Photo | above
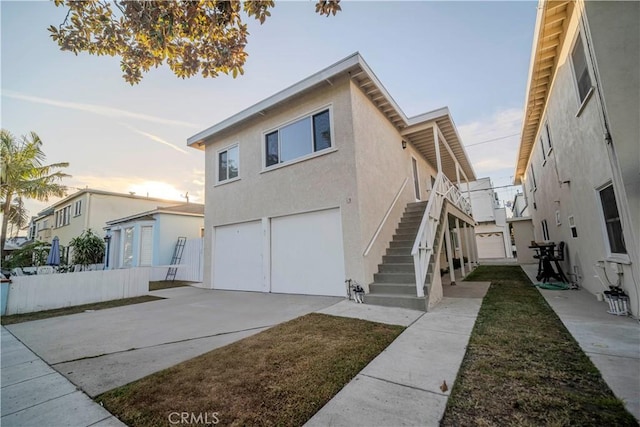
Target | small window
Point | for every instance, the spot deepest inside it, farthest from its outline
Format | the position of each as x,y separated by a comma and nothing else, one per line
228,164
545,230
544,152
533,178
548,135
583,79
301,138
572,227
77,208
612,222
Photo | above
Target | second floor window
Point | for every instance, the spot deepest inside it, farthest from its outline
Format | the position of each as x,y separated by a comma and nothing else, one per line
298,139
583,79
77,208
228,163
63,216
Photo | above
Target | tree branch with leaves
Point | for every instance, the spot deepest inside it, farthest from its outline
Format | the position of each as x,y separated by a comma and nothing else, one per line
205,36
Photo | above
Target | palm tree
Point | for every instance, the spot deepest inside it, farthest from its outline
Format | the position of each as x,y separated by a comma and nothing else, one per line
22,175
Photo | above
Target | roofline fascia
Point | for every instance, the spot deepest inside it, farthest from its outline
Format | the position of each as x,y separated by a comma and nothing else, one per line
534,54
301,86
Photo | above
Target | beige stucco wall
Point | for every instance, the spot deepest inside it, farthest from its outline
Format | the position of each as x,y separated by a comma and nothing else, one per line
325,181
617,49
97,209
381,169
523,235
580,156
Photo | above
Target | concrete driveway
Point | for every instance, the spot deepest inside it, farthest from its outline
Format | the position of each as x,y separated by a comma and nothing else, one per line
104,349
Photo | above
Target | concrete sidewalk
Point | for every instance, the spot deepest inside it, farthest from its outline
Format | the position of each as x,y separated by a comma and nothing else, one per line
33,394
401,386
611,342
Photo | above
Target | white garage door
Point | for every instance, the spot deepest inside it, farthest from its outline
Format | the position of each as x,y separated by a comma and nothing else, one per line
490,245
307,254
237,257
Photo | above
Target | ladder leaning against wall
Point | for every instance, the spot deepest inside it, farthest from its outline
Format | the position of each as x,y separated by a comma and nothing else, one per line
177,256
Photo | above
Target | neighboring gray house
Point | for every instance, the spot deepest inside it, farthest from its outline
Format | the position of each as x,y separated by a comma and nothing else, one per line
492,231
579,156
149,238
307,189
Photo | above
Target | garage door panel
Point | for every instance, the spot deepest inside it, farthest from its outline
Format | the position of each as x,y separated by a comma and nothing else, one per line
307,254
238,257
490,245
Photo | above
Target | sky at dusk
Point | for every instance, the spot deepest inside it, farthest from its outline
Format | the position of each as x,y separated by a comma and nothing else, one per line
470,56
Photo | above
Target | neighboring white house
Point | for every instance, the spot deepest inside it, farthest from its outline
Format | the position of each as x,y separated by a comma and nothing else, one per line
149,238
492,231
579,156
88,209
521,227
305,190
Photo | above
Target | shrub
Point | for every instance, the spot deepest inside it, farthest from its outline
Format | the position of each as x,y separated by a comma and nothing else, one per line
88,248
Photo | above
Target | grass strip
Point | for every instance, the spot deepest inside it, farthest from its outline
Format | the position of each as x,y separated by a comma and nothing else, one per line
167,284
38,315
281,376
522,367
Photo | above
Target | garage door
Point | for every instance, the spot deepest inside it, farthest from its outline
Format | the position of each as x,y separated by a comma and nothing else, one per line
307,254
237,257
490,245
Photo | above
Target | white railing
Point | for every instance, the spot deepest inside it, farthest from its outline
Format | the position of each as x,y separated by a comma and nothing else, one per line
423,245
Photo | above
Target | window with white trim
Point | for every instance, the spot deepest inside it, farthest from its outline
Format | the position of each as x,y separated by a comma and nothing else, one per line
228,163
545,230
77,208
533,178
581,70
612,222
301,138
63,216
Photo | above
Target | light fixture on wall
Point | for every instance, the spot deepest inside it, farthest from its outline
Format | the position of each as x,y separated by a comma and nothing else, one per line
404,144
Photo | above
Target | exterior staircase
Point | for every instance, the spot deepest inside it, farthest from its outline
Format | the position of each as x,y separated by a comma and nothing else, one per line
395,283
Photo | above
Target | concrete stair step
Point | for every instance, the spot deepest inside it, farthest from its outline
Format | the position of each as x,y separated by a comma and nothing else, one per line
396,268
391,300
397,259
394,277
399,251
401,243
400,237
392,288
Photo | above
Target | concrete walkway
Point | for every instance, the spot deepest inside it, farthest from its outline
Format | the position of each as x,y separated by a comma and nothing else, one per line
402,385
33,394
611,342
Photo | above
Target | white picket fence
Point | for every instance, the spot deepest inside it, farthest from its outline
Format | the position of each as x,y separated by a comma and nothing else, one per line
191,265
48,291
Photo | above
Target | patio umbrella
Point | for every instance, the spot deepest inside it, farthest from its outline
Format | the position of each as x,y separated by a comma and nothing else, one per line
54,252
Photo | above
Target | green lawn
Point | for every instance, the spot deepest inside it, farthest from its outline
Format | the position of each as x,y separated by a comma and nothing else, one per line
27,317
522,366
281,376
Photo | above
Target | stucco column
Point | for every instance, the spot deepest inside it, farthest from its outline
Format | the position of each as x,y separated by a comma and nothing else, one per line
447,236
467,246
474,246
460,255
436,143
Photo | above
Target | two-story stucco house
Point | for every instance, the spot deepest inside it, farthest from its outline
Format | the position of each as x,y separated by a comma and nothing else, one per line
88,209
579,156
318,184
492,231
